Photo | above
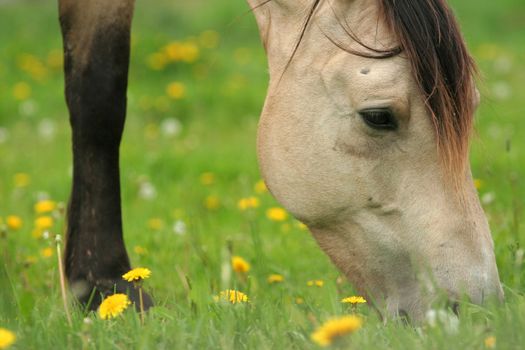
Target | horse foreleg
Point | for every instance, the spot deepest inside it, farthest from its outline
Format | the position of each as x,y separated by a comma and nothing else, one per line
96,36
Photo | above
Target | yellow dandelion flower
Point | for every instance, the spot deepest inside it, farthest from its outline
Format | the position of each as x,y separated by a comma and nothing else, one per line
490,342
182,51
207,178
316,283
45,206
248,203
189,52
478,183
140,250
113,306
209,39
7,338
137,274
488,51
44,222
275,278
354,300
55,59
21,180
242,204
336,328
36,233
176,90
173,51
13,222
157,61
301,226
260,187
151,131
232,296
30,260
212,202
33,66
299,300
276,214
239,264
21,91
47,252
155,224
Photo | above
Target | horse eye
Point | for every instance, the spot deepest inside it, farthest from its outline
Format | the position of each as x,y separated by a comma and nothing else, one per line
379,118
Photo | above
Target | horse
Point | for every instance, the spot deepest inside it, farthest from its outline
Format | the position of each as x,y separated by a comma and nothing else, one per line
364,137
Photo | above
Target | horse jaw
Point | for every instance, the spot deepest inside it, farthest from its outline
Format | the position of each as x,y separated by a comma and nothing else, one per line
377,202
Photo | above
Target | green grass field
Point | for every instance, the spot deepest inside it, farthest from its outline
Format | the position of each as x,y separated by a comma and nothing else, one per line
188,157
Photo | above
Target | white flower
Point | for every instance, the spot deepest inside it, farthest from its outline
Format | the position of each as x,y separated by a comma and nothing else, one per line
28,108
488,198
42,196
147,190
171,127
46,129
448,320
179,227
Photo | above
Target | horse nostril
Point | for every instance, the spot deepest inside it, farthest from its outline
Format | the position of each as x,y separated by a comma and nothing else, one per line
403,316
455,308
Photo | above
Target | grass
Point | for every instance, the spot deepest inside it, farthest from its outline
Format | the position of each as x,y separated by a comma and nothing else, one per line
218,116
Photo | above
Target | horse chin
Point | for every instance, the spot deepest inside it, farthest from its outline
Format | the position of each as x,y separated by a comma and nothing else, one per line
405,278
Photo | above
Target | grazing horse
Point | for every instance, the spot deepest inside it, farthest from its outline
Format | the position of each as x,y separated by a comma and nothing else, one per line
364,137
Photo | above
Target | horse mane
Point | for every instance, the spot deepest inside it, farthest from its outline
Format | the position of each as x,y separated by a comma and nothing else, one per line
428,34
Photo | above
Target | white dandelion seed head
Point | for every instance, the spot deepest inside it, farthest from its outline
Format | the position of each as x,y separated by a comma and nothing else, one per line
147,190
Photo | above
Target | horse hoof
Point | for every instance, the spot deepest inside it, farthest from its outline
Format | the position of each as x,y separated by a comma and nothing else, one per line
91,295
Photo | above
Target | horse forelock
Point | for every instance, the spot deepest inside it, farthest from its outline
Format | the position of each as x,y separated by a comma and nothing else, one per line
430,37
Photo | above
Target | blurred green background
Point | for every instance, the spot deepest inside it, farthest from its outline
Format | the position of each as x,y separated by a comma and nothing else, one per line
198,79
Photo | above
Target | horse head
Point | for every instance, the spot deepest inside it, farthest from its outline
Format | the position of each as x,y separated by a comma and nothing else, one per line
364,137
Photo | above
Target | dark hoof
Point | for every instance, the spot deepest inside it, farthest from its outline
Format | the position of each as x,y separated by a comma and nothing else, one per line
91,295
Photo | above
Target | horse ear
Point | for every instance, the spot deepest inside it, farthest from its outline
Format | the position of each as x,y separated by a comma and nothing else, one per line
279,21
261,11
